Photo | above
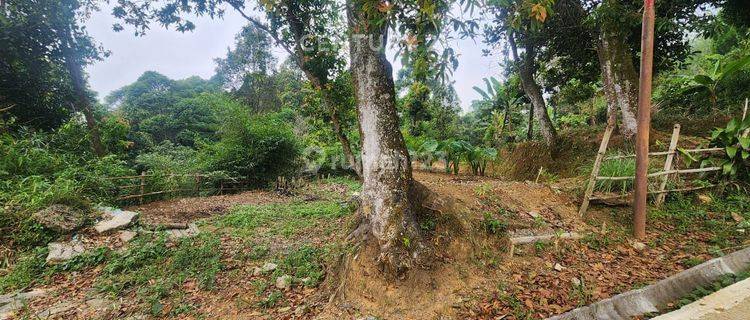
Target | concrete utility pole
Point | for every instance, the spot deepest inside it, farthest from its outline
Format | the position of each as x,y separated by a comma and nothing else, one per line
644,121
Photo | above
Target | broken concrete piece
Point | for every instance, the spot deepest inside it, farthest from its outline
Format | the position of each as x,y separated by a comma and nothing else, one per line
11,303
114,219
64,251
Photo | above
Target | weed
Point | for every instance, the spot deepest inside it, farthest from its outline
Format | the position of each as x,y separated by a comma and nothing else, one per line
272,299
616,168
492,225
483,189
156,272
306,262
27,271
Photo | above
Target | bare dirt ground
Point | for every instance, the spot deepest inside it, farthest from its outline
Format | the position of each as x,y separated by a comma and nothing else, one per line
470,277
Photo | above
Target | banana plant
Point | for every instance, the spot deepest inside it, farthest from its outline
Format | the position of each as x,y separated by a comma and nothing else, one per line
710,81
502,98
478,157
452,151
427,152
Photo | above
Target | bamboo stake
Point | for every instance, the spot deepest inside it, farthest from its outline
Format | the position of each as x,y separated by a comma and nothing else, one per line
143,187
595,170
668,164
744,115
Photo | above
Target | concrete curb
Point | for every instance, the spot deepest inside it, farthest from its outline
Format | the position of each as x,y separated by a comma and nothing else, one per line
654,297
721,304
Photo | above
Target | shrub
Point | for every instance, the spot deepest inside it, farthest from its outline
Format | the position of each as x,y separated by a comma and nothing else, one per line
259,148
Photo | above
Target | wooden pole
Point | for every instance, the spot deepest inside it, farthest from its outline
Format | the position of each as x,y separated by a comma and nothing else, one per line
143,187
644,121
668,164
595,170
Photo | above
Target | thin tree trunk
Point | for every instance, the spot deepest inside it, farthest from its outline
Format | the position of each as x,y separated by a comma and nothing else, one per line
620,80
343,139
526,71
79,87
386,167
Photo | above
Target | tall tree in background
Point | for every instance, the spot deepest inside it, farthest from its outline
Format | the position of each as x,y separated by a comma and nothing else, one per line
76,49
310,31
44,49
248,70
519,23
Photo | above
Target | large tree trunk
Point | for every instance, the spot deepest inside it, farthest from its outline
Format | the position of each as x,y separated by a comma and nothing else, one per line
386,167
620,80
526,69
79,87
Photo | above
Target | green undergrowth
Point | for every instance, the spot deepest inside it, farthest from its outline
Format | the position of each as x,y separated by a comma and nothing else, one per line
156,272
281,219
152,268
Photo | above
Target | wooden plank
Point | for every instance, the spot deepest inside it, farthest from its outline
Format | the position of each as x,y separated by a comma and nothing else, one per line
626,156
595,170
668,164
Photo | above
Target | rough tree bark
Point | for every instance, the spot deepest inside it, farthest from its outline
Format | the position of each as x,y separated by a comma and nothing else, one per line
386,167
79,87
526,69
619,78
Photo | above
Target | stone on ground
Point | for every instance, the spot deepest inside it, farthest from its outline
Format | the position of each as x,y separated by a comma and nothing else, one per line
266,268
191,231
126,235
114,219
56,310
61,218
284,282
64,251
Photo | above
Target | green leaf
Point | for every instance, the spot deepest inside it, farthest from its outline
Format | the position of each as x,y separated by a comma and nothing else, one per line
703,80
715,134
745,142
732,126
484,94
689,158
731,151
727,167
745,155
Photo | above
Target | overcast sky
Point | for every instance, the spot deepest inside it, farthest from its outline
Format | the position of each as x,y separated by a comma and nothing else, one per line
181,55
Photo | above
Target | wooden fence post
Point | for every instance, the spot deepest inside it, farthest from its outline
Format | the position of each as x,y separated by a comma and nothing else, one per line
595,171
668,164
197,184
143,187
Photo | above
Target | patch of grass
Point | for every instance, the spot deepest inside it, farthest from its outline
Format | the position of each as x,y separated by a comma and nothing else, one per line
304,262
271,300
351,183
280,219
28,270
616,168
156,272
